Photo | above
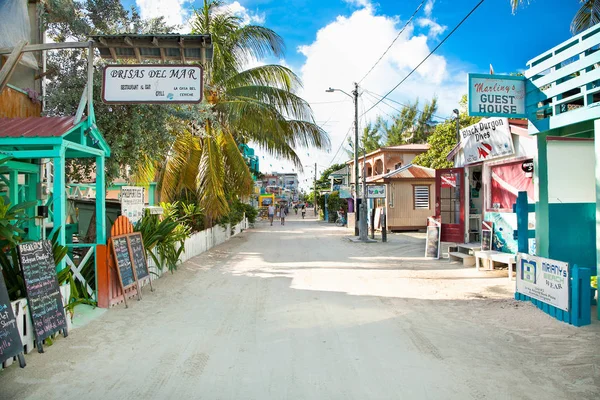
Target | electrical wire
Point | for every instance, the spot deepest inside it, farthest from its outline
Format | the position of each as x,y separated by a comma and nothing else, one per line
428,55
375,95
393,41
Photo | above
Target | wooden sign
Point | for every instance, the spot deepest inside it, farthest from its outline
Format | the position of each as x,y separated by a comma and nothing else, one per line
43,295
432,244
120,247
131,263
10,340
487,234
138,257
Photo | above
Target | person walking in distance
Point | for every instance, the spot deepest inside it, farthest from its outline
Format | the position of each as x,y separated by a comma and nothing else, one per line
271,212
303,211
282,212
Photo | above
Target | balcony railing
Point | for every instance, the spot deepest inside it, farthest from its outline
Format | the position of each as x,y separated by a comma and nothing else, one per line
563,83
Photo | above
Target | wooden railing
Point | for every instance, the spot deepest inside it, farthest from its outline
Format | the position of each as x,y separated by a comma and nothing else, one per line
563,83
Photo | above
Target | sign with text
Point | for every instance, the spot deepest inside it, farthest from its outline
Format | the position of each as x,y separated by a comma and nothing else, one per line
496,96
543,279
10,340
132,203
152,84
43,295
376,192
488,139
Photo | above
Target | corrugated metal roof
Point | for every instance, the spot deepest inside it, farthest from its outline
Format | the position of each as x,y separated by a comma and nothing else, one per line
411,171
415,146
36,126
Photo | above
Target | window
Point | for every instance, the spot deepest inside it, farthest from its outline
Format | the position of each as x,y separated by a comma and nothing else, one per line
421,197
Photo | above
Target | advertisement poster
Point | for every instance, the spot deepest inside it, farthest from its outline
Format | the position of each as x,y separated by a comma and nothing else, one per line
543,279
132,203
486,140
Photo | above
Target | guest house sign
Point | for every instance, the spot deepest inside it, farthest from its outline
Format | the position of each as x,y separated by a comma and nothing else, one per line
488,139
497,96
152,84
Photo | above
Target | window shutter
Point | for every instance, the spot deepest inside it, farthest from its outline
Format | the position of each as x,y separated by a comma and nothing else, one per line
421,197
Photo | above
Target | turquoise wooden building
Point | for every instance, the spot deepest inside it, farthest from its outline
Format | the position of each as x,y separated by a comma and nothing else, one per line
563,108
33,143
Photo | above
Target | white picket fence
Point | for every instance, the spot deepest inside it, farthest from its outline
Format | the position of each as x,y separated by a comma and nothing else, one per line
196,244
200,242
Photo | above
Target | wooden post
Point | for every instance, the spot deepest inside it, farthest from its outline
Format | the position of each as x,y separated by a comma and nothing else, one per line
383,227
9,66
580,296
102,276
100,202
90,81
58,192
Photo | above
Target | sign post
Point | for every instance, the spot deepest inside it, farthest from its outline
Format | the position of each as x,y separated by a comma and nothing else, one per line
132,203
543,279
152,84
486,140
376,191
497,96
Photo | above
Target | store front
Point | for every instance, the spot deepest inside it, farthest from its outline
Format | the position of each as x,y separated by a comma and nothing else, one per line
493,163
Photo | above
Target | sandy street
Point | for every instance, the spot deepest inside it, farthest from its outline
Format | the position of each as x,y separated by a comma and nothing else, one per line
299,312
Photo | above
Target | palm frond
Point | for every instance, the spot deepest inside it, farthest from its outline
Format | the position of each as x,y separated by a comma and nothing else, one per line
285,102
265,75
586,17
211,177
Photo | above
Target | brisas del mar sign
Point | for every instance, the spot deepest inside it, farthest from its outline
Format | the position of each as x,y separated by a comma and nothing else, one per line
497,96
152,84
488,139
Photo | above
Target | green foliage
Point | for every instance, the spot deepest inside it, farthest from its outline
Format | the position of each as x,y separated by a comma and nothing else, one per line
587,16
12,219
323,182
236,213
411,125
165,235
443,140
135,133
251,212
191,215
334,203
371,138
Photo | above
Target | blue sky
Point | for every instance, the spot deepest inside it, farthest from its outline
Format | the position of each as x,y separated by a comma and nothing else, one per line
335,42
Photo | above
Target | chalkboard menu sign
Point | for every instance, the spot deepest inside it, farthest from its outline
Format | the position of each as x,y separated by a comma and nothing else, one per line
123,258
43,295
138,255
432,244
10,340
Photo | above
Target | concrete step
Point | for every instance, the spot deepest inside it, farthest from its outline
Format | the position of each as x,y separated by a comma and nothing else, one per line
467,259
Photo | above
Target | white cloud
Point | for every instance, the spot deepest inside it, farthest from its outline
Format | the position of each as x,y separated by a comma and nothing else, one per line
359,3
247,16
428,7
343,52
172,10
435,29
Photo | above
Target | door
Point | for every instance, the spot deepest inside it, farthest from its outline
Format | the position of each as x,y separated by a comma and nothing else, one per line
450,203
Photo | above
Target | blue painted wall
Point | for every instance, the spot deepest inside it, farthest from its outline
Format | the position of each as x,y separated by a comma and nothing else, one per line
573,233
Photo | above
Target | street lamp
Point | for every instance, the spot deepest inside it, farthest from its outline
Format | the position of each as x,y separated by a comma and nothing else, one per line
455,111
362,233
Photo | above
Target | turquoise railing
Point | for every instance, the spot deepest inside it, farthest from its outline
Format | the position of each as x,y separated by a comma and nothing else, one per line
563,83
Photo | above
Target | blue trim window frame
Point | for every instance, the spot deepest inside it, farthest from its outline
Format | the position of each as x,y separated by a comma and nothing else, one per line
497,77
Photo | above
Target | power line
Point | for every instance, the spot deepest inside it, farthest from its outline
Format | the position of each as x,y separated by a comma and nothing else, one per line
373,94
428,55
393,41
341,144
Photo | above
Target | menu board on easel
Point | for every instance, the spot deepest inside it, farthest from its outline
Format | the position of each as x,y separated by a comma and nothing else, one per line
432,243
43,295
487,235
138,257
127,278
10,340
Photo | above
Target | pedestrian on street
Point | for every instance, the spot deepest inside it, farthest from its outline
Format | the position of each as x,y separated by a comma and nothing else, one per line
271,212
282,211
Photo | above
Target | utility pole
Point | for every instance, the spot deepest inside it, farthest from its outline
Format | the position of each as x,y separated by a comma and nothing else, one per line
315,199
364,234
356,211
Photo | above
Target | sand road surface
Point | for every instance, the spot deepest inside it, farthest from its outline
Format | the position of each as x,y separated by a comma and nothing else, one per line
300,312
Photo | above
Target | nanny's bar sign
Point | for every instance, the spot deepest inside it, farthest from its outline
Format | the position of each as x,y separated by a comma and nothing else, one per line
152,84
497,96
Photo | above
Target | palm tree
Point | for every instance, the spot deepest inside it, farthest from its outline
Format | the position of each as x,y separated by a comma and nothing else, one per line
586,17
245,105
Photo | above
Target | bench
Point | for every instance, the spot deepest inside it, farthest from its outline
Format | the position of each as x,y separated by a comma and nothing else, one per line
491,256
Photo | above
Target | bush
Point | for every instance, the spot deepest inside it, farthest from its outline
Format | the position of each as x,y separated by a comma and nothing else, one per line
251,213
